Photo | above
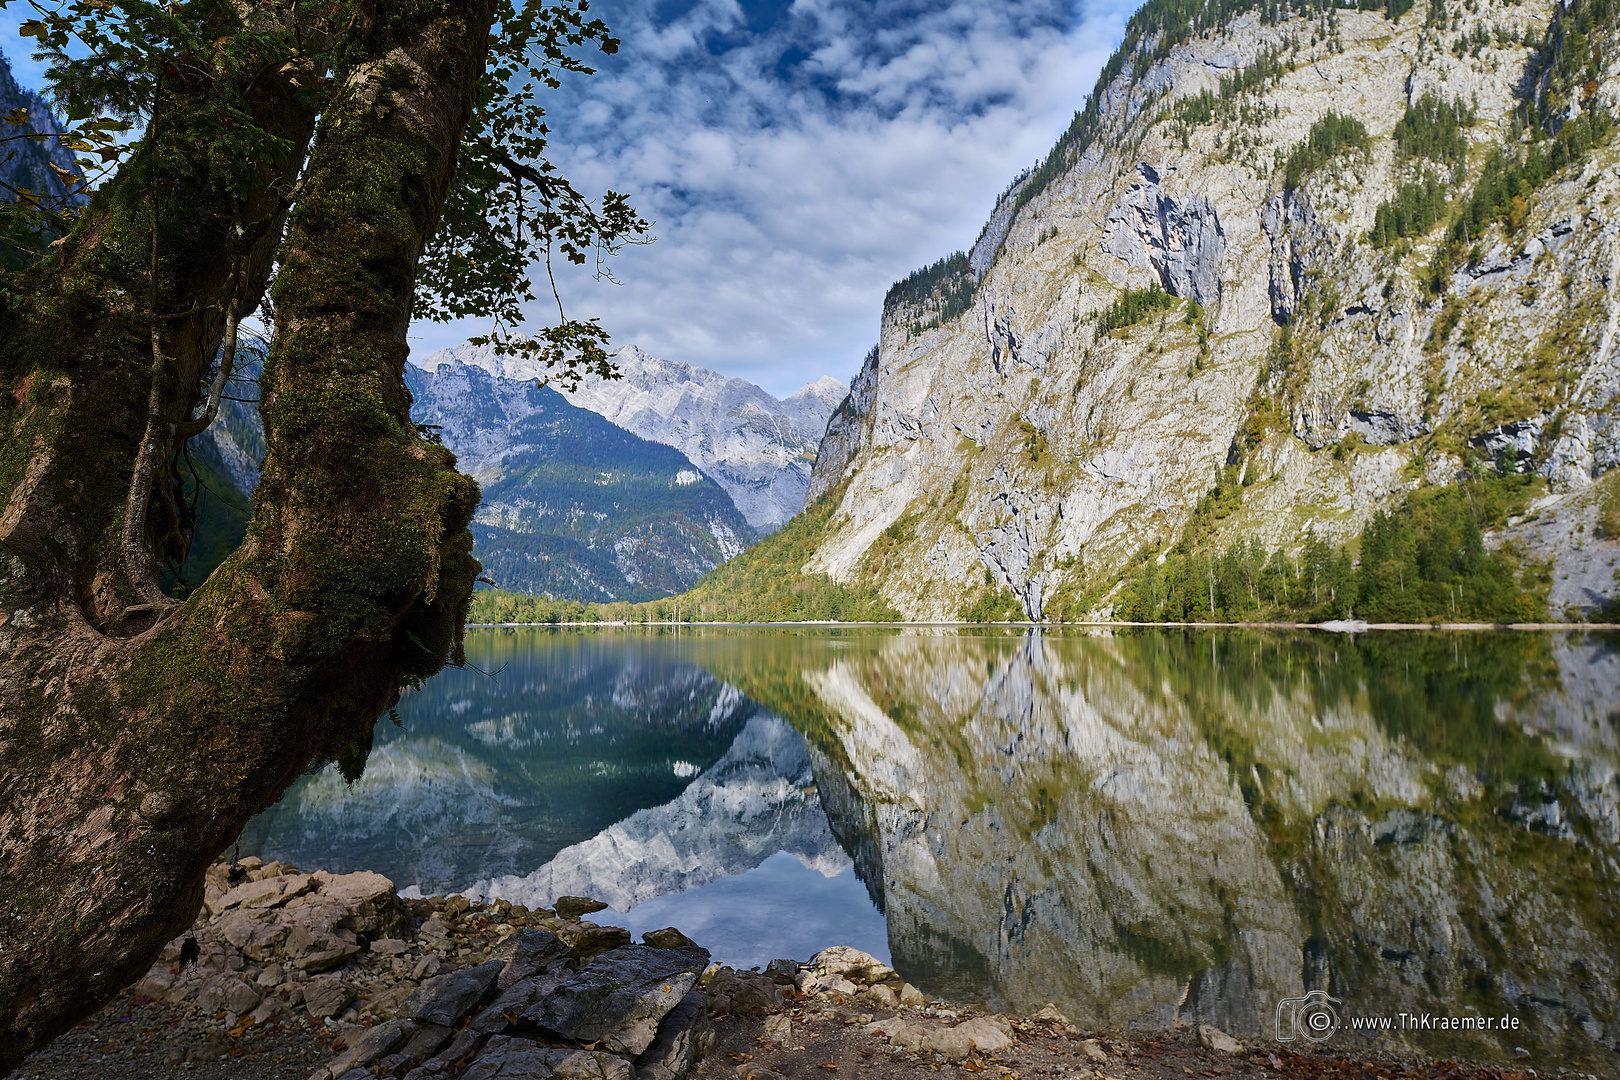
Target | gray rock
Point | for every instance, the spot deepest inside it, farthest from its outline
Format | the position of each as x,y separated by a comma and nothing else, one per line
520,1059
684,1038
1213,1038
619,998
386,1005
530,951
327,997
467,1042
777,1029
757,1072
326,959
786,967
572,907
515,999
423,1043
445,999
380,1040
228,992
979,1034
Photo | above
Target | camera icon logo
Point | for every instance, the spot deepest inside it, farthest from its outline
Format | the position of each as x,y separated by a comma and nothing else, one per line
1315,1016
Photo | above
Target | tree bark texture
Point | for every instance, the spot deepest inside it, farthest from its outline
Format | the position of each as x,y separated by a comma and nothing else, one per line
133,748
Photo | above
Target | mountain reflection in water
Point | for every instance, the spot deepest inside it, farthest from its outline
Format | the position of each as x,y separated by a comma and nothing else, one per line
1145,828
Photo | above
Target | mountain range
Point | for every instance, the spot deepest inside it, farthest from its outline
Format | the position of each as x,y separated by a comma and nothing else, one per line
575,506
758,448
1293,266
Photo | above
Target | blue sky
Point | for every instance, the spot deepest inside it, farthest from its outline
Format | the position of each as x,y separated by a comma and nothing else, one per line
796,158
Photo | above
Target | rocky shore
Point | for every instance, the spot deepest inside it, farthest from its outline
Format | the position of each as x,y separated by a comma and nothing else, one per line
335,977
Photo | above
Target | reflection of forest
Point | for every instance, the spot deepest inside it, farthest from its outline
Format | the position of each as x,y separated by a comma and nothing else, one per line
1157,827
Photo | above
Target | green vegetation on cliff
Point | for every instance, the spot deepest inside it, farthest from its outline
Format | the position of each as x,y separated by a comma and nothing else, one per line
1330,137
1132,307
945,289
1425,562
766,583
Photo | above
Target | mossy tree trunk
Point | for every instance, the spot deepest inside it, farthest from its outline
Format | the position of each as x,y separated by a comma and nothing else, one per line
136,740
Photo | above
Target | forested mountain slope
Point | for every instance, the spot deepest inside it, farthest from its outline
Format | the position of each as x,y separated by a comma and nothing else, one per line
756,446
1292,266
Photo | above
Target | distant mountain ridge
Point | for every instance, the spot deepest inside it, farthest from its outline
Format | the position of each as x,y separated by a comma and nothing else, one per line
574,506
757,447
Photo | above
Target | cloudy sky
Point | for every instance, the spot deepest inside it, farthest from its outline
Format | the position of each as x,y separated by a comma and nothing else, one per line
797,157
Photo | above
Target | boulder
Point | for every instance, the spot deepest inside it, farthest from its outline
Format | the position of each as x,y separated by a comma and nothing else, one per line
266,892
836,984
466,1043
254,933
980,1034
684,1038
758,1072
619,997
371,907
881,997
327,997
742,993
424,1041
572,907
668,938
1213,1038
157,983
380,1040
229,992
326,959
910,995
386,1005
521,1059
516,999
593,940
777,1028
851,964
905,1034
529,952
445,999
1051,1015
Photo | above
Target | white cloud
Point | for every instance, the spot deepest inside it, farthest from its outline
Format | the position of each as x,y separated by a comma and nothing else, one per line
786,203
797,169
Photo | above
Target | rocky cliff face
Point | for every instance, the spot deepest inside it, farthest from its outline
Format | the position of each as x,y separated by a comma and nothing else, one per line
849,429
1337,360
758,448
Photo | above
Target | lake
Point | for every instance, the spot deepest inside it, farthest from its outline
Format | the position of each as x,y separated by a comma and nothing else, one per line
1146,828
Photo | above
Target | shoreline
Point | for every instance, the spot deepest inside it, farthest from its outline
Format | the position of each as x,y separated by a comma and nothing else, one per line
326,976
1332,627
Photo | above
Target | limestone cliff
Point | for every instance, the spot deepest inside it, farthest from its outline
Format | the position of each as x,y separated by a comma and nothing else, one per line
1328,333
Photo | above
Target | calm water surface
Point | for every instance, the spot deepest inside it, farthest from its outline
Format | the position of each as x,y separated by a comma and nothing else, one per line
1145,829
